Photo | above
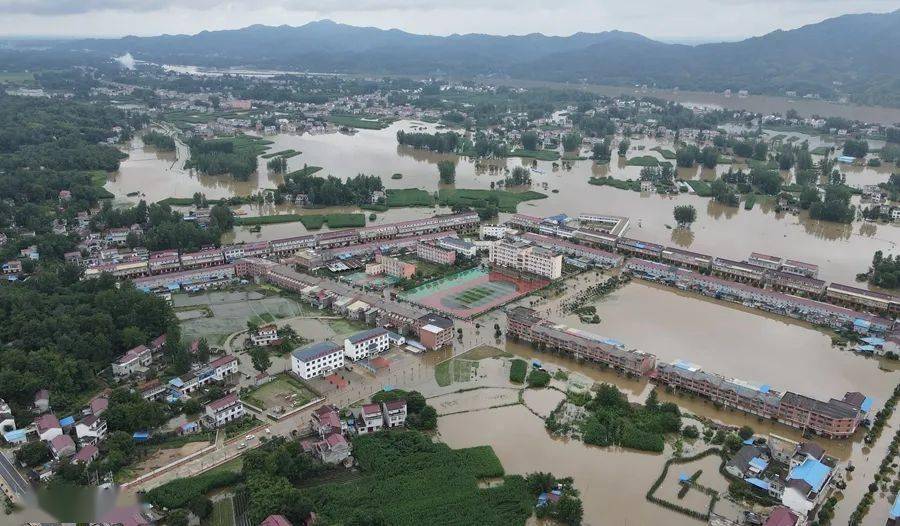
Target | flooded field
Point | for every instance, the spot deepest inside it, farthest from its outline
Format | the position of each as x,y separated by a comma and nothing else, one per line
735,341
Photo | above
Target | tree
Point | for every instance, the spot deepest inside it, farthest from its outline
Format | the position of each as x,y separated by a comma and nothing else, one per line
571,141
690,432
530,140
732,442
200,506
623,147
33,454
686,156
192,407
709,156
259,356
745,432
569,510
447,171
685,215
856,148
601,151
538,378
519,176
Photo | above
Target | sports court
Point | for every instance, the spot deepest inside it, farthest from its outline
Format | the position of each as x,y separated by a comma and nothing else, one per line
472,292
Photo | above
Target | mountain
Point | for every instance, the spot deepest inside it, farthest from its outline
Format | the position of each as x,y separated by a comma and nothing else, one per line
850,54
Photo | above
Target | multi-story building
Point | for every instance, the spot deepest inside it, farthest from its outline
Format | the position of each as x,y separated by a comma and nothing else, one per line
317,359
832,419
132,361
686,259
594,255
202,258
47,426
641,249
463,248
370,420
264,335
394,413
221,368
395,267
326,420
765,261
224,410
800,268
430,251
164,261
90,429
739,271
863,298
525,257
434,331
365,344
524,324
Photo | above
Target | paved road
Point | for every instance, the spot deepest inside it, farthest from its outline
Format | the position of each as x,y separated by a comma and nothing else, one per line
12,476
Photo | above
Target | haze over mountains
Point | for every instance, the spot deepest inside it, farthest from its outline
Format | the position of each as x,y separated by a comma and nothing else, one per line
851,55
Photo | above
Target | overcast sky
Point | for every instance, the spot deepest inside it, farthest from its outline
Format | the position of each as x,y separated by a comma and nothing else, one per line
682,20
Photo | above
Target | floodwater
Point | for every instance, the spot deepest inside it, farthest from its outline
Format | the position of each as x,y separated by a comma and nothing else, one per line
612,481
756,103
842,251
67,503
736,341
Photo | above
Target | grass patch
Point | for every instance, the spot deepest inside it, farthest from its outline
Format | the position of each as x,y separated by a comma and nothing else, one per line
749,201
442,374
222,512
506,201
315,221
485,351
16,77
284,391
517,370
306,170
179,492
626,184
667,154
357,121
540,155
701,188
287,154
267,220
643,160
411,480
409,197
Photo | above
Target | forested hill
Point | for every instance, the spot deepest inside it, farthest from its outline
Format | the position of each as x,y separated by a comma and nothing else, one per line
851,55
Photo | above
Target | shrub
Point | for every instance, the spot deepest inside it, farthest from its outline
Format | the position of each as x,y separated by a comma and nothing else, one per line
538,378
517,370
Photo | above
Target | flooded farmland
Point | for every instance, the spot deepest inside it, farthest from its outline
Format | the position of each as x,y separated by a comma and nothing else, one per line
841,250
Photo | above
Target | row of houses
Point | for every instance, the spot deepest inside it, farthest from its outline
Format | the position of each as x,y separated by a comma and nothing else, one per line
141,265
770,300
329,429
760,270
432,331
834,418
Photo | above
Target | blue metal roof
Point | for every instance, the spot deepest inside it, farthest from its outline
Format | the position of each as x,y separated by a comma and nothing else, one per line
764,388
758,463
895,509
16,435
759,483
867,404
67,421
812,472
861,323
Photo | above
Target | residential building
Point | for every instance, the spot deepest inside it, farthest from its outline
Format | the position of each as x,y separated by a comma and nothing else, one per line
805,485
525,257
765,261
48,427
86,454
800,268
749,461
42,401
90,429
832,419
783,516
333,449
7,422
434,331
265,335
219,369
224,410
493,231
133,361
524,324
152,390
370,420
62,446
394,413
366,343
317,359
326,420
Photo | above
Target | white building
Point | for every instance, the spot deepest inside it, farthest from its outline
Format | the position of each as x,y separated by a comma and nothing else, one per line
394,413
48,427
366,343
132,361
223,367
493,231
265,335
371,419
7,422
224,410
523,256
463,248
90,430
317,359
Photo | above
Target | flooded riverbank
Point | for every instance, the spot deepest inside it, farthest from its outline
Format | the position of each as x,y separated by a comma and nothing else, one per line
735,341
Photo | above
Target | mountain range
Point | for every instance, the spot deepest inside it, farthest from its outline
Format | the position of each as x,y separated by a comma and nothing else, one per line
850,55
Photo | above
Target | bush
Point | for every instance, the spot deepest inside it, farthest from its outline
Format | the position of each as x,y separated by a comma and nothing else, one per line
180,492
517,370
538,378
690,432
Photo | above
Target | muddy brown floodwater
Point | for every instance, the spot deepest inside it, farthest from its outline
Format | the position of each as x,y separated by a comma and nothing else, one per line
841,250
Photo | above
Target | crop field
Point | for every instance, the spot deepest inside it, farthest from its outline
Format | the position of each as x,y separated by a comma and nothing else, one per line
283,391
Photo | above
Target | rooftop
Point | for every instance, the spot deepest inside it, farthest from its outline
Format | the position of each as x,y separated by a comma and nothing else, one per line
367,334
316,350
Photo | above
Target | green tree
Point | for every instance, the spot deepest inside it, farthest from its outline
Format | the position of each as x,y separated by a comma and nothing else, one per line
745,432
601,151
259,356
685,214
571,141
33,454
530,140
624,144
447,171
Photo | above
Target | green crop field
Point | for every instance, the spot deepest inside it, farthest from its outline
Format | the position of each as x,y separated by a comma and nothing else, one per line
540,155
315,221
354,121
506,201
643,160
408,197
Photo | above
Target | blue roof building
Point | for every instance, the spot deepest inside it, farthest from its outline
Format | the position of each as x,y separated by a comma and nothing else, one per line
895,509
812,472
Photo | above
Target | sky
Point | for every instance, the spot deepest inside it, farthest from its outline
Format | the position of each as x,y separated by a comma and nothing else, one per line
689,21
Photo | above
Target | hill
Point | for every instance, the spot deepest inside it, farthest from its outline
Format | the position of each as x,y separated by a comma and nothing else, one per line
848,55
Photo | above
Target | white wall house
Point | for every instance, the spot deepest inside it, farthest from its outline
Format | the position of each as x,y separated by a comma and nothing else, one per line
317,359
132,361
366,344
224,410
